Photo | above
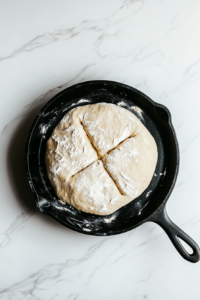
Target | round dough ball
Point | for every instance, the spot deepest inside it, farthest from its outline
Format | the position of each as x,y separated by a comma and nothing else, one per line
100,157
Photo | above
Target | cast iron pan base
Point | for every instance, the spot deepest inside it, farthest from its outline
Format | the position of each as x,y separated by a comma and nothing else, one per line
150,206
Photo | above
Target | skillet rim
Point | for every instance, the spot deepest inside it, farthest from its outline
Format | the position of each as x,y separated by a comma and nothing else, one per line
144,220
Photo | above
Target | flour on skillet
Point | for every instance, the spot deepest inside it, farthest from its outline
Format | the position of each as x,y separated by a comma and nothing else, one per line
122,103
43,128
80,101
109,219
148,193
86,229
83,100
138,110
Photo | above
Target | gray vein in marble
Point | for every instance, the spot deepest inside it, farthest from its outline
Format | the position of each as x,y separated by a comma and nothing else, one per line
148,277
43,40
180,183
126,4
190,142
192,221
189,76
42,99
73,296
69,33
54,297
180,125
144,53
124,254
47,38
49,273
132,249
191,67
108,256
30,106
16,225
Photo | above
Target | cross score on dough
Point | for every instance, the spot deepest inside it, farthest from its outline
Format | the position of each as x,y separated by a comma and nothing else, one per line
100,157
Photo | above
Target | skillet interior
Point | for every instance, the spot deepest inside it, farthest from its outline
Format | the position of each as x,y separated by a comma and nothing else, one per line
157,120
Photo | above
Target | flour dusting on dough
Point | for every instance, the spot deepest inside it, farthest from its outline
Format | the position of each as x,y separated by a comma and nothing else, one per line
91,156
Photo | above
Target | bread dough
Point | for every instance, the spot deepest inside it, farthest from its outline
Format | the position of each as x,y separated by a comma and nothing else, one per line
132,163
93,190
100,157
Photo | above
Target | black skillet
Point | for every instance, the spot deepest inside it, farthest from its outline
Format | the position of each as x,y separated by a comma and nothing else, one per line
150,206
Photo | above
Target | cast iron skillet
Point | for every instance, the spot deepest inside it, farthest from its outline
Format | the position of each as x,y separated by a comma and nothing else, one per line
150,206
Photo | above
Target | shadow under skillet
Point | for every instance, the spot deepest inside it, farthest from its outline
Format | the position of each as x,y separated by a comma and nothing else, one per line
16,162
16,167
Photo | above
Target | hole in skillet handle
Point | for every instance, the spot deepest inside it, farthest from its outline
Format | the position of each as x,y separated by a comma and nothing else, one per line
176,234
185,246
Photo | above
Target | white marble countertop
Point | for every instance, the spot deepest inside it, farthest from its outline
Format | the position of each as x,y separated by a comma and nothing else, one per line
47,46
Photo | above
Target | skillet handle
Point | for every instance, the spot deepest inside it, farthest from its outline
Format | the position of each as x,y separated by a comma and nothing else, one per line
174,232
